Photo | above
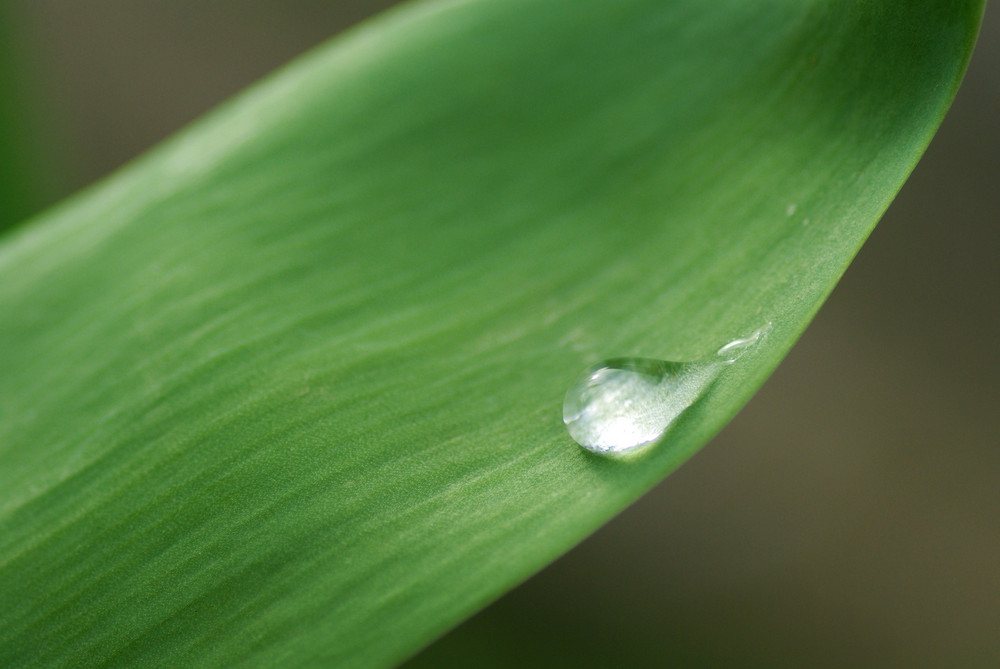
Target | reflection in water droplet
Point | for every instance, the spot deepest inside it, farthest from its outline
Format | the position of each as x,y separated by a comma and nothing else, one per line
624,403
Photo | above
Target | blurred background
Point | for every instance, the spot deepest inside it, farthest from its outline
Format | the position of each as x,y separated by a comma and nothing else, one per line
849,515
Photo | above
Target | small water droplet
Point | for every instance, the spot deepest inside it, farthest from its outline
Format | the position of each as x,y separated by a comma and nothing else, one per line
737,347
622,404
790,209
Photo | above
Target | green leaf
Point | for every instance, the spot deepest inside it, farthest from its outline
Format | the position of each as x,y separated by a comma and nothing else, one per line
287,390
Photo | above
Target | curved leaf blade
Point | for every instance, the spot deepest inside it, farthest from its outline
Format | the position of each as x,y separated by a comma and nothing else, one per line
287,390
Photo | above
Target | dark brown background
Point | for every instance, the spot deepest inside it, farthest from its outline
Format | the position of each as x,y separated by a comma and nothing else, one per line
850,514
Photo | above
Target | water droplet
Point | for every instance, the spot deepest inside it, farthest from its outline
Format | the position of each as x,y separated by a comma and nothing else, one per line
790,209
625,403
737,347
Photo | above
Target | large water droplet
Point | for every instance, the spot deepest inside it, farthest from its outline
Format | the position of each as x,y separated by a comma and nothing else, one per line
625,403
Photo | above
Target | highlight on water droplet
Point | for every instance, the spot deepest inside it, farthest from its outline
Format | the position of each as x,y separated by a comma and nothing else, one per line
737,347
623,404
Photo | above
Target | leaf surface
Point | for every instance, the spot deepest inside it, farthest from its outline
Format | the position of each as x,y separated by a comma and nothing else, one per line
286,391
